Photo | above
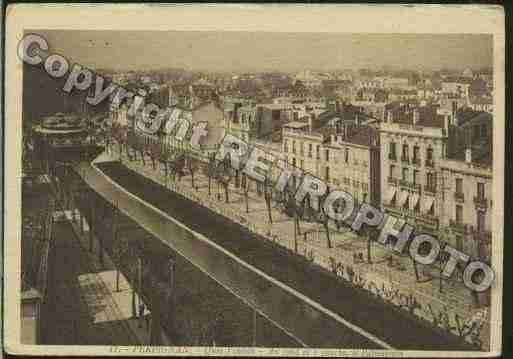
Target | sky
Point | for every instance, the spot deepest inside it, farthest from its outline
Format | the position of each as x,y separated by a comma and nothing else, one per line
254,51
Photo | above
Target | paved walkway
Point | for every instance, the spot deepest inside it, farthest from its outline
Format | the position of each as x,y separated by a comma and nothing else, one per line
396,283
87,307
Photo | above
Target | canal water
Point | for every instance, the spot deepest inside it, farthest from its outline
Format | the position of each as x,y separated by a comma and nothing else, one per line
224,275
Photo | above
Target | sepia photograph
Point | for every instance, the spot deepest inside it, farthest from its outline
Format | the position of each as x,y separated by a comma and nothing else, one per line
254,180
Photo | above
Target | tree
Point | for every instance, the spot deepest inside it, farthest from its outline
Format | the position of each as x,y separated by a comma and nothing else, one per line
117,135
224,173
154,150
209,169
246,196
268,198
177,165
131,140
164,157
139,147
192,167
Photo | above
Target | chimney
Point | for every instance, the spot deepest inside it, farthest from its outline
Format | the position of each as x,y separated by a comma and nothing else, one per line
415,116
468,155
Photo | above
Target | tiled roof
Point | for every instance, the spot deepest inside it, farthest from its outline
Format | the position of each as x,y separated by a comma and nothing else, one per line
427,116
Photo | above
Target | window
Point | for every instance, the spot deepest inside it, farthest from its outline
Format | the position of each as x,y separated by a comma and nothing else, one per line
392,171
310,150
294,161
415,176
429,153
327,153
405,174
347,156
327,174
480,190
459,185
301,149
431,181
391,154
432,210
405,151
480,221
294,147
302,164
318,150
286,146
415,153
459,214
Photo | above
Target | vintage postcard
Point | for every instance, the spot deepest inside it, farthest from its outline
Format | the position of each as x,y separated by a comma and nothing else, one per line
254,180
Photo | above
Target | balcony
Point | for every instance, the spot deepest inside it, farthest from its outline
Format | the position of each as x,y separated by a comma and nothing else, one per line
409,185
429,163
459,227
405,159
430,190
415,161
459,197
392,156
392,181
481,202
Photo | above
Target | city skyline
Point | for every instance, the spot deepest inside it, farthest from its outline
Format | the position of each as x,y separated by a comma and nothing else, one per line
266,51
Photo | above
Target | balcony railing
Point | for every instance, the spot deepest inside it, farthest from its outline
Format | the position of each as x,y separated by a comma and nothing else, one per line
459,227
459,196
392,156
429,163
481,202
410,185
392,180
430,189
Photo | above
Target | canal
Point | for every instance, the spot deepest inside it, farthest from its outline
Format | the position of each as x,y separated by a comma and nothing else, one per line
296,303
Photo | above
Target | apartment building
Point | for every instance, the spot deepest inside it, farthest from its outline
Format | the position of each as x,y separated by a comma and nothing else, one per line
467,176
352,162
413,141
437,173
338,148
467,205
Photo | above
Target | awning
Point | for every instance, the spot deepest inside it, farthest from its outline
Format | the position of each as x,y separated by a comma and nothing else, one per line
389,195
414,199
427,203
402,198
